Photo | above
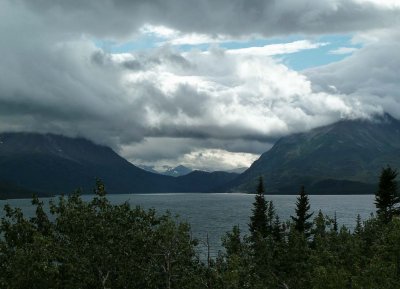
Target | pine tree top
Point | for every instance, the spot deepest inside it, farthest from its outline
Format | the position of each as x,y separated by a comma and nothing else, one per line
302,213
258,219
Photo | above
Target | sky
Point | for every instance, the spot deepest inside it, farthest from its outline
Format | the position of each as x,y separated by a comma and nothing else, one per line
210,84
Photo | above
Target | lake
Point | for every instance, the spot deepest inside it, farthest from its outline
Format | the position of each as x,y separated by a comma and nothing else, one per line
215,214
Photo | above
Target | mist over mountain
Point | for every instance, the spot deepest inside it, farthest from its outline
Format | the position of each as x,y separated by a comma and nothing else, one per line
182,170
345,157
177,171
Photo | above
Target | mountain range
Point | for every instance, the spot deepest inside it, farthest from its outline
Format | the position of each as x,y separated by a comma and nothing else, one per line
54,164
344,157
177,171
182,170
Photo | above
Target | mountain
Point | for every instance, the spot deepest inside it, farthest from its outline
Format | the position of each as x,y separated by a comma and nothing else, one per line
345,157
53,164
57,164
177,171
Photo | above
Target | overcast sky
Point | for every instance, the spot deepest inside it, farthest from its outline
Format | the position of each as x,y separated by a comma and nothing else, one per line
210,84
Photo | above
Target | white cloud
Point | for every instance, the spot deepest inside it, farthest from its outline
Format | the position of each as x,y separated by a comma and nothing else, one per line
241,85
196,39
277,49
216,159
370,77
201,154
159,31
343,50
176,37
390,4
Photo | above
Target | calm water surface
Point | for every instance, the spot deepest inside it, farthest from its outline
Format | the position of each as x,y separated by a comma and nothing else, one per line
215,214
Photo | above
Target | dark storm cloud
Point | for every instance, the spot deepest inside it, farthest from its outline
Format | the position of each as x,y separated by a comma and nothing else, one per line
52,86
118,18
226,133
132,65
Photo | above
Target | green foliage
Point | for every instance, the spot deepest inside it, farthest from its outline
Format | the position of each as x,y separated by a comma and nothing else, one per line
94,244
234,265
387,198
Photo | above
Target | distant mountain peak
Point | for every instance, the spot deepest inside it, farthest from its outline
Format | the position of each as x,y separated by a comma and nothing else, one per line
177,171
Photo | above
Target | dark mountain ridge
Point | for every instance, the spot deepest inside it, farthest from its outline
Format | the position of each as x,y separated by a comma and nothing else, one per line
345,157
56,164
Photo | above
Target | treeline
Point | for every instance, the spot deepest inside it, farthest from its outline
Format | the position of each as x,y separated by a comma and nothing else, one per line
99,245
313,251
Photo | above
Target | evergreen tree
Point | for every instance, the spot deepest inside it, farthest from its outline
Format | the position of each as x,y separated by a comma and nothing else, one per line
258,220
387,198
234,264
335,224
320,224
277,229
271,213
358,228
301,222
232,242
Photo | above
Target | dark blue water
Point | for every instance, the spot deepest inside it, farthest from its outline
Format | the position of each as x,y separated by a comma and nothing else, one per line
215,214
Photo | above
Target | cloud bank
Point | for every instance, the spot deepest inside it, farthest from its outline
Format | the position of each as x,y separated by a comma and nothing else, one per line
216,108
119,18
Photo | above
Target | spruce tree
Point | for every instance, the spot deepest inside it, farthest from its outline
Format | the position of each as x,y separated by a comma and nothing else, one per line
271,213
387,198
232,242
358,228
301,223
335,224
277,230
258,220
320,225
